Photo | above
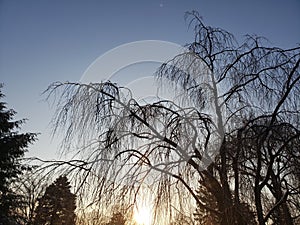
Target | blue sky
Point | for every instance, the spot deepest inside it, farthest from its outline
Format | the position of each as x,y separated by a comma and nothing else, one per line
46,41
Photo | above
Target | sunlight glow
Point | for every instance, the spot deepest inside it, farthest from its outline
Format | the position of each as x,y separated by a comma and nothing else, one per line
142,215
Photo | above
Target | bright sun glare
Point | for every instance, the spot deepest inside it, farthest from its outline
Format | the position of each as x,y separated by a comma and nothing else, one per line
142,215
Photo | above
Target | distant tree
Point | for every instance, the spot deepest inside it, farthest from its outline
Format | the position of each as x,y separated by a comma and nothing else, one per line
57,205
121,214
13,145
30,187
91,218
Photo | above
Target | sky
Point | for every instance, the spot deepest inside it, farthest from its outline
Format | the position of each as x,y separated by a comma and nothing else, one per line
43,41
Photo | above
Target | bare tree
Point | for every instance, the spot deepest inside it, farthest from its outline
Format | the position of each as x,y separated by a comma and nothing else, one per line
169,146
30,187
247,82
278,157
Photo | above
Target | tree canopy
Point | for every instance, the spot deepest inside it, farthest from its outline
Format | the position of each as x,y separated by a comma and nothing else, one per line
228,146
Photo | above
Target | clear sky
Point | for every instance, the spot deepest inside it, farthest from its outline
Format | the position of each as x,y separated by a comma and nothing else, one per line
43,41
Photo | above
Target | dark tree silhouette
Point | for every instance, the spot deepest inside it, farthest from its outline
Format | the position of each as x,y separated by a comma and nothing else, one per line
13,145
30,187
174,146
57,205
202,215
245,84
273,147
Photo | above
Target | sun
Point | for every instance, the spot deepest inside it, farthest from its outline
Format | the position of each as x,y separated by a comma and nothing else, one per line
142,215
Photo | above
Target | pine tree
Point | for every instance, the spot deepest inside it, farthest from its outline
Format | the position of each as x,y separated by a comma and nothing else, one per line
57,205
203,216
13,145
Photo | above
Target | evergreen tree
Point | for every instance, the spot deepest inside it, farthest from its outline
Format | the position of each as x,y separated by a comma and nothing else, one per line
13,145
202,215
236,214
57,205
